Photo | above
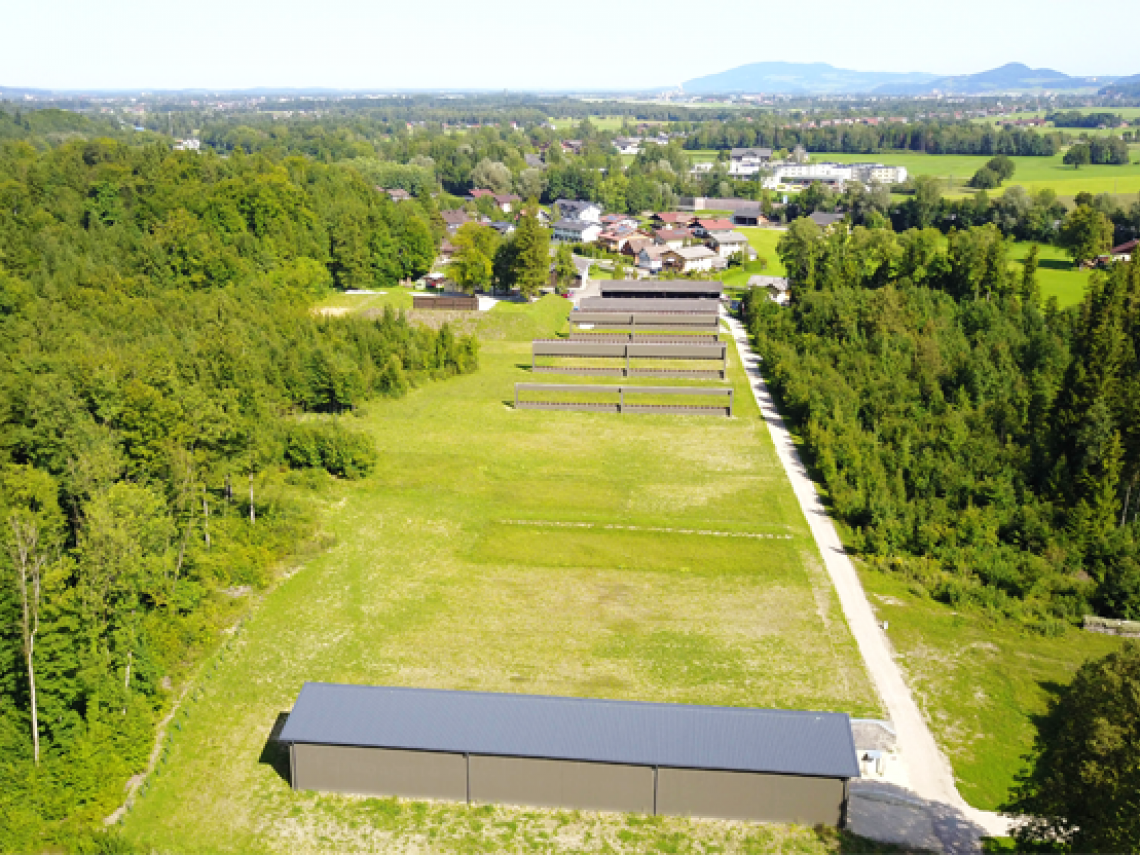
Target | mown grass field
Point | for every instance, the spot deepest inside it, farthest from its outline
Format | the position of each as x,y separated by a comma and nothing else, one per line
507,550
980,682
1056,273
1033,173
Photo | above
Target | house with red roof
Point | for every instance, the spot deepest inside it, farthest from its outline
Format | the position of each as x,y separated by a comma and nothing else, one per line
709,228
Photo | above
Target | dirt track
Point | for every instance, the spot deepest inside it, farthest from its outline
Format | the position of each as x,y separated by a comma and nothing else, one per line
929,773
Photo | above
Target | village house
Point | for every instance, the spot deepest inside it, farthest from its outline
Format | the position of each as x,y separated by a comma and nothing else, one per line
576,231
619,220
504,201
453,220
396,194
709,228
616,237
570,209
746,162
671,218
727,244
635,244
1125,251
672,238
826,221
650,258
776,286
534,161
627,145
752,216
691,258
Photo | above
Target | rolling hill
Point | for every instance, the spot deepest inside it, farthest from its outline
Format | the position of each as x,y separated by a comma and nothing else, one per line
819,78
815,78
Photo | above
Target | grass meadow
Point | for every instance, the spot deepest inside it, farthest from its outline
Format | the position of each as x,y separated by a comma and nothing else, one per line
980,682
1033,173
1056,273
643,557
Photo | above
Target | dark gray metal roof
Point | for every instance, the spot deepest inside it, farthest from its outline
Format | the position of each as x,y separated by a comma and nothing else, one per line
650,304
661,286
645,734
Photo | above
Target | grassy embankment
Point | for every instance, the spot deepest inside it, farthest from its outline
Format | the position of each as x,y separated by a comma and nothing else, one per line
432,583
980,682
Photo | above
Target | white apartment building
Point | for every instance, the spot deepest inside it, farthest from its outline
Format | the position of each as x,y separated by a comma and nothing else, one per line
833,174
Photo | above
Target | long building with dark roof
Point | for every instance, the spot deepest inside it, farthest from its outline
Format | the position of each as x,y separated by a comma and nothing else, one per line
663,289
573,753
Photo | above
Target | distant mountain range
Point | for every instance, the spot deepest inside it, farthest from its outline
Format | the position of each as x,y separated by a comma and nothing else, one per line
799,78
818,78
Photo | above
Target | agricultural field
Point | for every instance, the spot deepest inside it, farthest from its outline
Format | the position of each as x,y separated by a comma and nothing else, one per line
1033,173
650,557
979,682
1129,114
602,123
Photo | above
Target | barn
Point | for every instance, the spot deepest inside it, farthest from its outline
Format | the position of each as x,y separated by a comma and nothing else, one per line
573,753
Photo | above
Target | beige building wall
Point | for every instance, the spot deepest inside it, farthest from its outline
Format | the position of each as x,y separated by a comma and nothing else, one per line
749,795
562,783
380,772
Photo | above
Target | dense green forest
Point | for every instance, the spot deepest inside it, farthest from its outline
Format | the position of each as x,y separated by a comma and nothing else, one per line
162,384
982,444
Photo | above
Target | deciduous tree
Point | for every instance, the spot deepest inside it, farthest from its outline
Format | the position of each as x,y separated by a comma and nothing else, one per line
1082,788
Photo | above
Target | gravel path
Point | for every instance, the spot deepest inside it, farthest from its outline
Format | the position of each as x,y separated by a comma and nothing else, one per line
929,774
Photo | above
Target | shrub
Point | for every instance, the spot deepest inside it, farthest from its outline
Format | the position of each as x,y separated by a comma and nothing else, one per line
329,446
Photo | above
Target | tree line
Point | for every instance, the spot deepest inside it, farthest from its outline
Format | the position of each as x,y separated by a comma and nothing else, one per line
981,443
162,383
929,136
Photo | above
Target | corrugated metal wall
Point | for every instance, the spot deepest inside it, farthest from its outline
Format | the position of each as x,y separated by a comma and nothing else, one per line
562,784
569,784
750,795
380,772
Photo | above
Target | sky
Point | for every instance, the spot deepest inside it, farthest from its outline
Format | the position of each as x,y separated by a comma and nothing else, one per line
517,45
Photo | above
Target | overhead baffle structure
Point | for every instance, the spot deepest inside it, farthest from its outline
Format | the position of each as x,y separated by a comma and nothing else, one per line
646,338
663,289
624,399
676,306
684,359
631,322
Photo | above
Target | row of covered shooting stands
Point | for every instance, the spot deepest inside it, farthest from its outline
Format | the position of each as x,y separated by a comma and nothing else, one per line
669,334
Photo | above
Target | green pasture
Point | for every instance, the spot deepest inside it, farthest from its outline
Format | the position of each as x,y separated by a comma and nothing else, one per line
602,123
1056,273
980,682
649,557
764,242
1033,173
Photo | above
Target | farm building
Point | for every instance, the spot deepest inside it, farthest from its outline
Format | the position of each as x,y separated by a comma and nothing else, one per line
572,753
665,289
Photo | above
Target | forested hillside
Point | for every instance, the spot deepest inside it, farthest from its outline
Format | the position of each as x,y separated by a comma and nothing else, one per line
984,445
159,371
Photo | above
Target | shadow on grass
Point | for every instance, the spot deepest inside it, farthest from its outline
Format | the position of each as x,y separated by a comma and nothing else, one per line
1055,264
274,753
524,366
